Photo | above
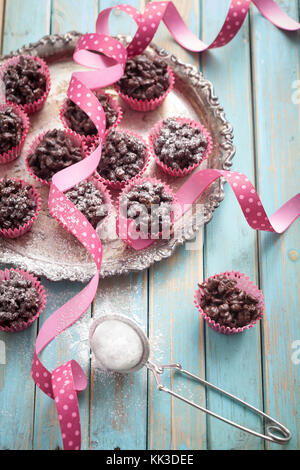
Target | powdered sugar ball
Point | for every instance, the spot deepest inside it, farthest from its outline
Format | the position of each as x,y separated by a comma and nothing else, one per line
116,346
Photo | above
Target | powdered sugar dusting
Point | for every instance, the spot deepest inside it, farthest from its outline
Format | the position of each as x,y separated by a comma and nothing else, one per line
66,257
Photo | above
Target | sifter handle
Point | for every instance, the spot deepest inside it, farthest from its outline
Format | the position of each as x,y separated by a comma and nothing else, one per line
273,427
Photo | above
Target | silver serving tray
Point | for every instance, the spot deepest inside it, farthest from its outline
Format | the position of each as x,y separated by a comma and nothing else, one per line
50,251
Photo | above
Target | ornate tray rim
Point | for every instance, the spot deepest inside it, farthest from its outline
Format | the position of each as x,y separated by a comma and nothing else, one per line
59,45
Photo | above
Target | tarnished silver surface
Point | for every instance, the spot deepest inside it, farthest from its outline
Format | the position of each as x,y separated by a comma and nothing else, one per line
49,250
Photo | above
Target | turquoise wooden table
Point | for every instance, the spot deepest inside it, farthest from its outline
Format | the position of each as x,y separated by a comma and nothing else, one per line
256,79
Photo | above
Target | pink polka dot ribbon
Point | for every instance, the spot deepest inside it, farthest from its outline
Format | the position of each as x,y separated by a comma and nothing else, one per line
156,12
245,193
64,383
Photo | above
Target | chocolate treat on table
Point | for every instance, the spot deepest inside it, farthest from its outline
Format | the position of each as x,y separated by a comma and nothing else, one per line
144,78
123,157
19,300
179,145
80,122
24,82
55,152
16,206
89,200
150,205
227,304
11,129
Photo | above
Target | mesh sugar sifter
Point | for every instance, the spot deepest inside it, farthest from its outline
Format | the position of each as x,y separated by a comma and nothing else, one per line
121,346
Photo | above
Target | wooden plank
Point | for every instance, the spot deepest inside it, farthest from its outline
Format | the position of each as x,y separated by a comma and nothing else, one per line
17,394
70,15
72,344
173,326
276,58
176,336
119,404
17,390
232,363
2,11
23,25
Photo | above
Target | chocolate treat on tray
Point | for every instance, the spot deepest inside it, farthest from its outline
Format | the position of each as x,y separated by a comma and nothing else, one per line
11,129
150,205
180,145
24,82
17,207
123,157
55,152
144,78
80,122
227,304
19,300
90,201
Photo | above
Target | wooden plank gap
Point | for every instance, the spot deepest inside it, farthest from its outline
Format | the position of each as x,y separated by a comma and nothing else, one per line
255,159
52,14
2,13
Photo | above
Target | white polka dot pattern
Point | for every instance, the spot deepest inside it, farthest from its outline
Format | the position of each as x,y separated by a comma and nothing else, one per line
155,12
247,198
65,381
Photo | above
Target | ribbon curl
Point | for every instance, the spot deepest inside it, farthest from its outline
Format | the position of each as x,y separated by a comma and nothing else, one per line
245,193
65,381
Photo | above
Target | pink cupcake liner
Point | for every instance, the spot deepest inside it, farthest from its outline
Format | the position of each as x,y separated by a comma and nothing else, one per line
108,201
244,283
154,133
139,181
90,145
15,152
30,108
90,139
4,275
76,140
147,105
18,232
117,185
